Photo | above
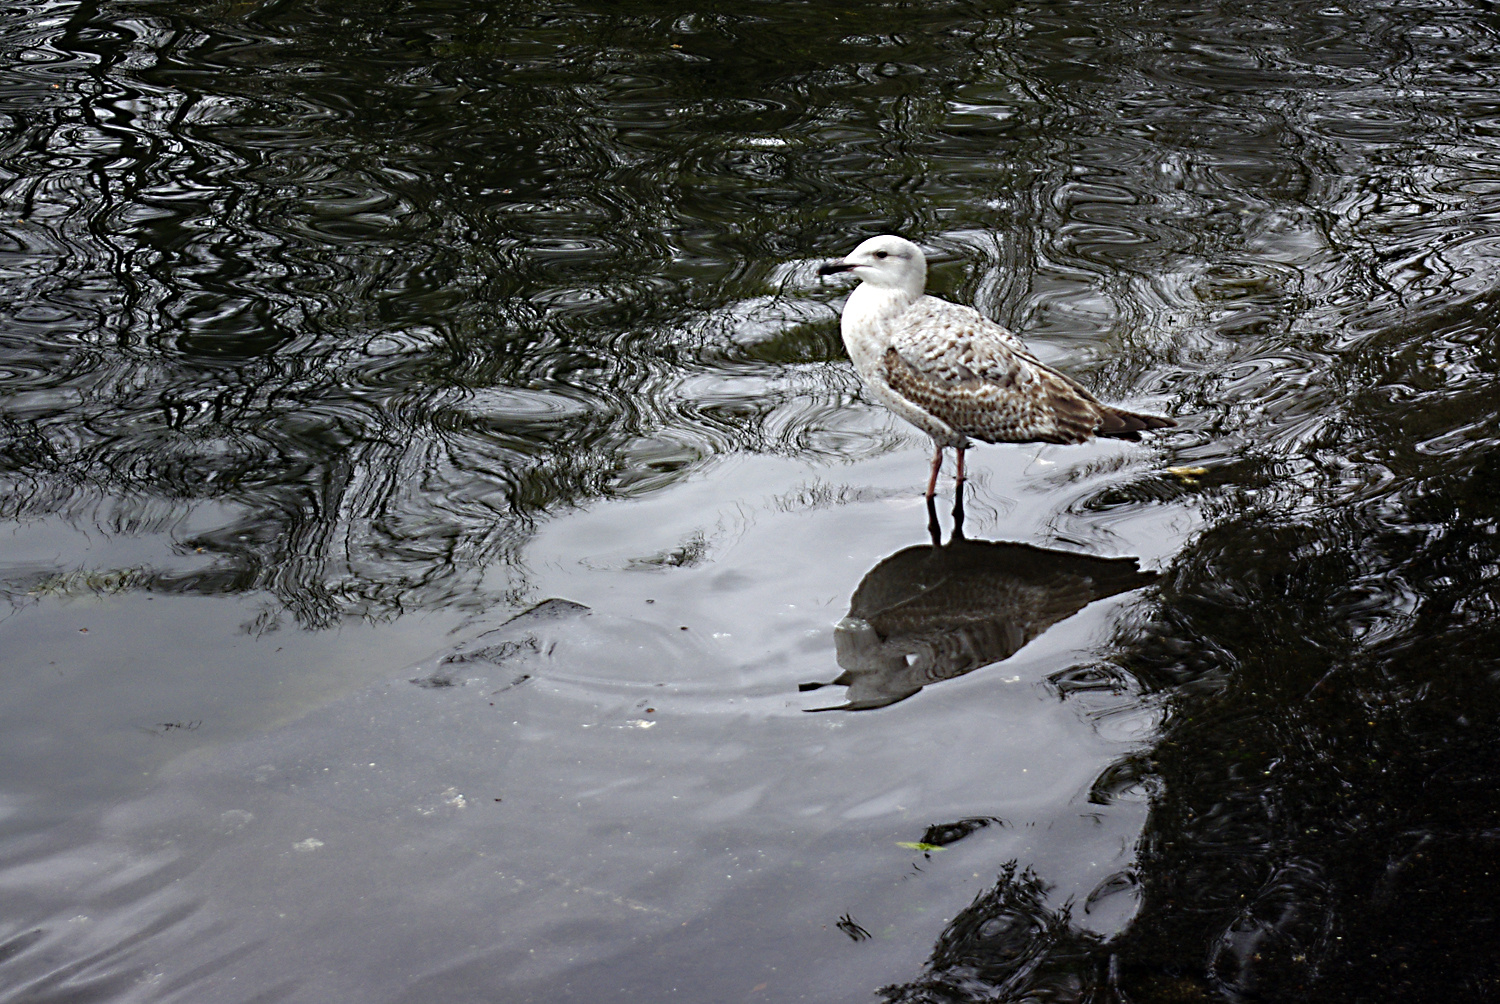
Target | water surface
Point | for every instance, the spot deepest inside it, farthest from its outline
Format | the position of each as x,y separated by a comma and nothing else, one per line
336,336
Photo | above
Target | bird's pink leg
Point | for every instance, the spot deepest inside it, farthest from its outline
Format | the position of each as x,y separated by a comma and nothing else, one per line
960,480
937,463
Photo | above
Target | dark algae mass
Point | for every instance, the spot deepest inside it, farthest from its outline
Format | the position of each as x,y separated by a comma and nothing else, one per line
430,468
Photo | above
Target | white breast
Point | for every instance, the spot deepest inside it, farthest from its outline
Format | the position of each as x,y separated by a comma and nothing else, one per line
869,327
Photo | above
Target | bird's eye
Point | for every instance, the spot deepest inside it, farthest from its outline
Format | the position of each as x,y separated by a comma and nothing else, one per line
881,254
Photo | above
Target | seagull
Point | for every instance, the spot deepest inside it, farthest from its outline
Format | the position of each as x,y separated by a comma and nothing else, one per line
954,373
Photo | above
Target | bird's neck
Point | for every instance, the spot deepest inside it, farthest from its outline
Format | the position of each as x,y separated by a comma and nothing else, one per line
870,307
867,322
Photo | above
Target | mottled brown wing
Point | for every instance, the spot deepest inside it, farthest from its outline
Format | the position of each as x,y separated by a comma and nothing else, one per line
976,376
990,391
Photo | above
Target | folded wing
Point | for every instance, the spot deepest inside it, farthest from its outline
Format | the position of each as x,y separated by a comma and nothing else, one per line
979,379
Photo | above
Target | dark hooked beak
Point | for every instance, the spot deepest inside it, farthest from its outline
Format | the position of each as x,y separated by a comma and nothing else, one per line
834,267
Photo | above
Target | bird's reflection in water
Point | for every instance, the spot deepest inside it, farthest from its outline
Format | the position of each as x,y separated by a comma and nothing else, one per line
934,612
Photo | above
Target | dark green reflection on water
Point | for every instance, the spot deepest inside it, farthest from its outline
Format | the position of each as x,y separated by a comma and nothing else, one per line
369,291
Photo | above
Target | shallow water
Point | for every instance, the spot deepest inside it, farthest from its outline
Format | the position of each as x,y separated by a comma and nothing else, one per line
335,337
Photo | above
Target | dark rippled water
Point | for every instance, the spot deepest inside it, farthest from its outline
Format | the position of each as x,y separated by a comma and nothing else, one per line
334,336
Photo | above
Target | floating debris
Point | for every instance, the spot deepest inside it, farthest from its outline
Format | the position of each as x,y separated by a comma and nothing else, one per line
1187,475
848,926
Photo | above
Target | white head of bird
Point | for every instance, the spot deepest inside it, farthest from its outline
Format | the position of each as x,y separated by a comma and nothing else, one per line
891,265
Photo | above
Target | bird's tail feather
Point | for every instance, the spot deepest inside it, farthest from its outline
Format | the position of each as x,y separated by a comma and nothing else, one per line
1120,424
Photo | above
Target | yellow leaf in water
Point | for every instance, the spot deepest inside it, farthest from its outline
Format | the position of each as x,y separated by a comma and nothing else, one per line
1187,475
917,846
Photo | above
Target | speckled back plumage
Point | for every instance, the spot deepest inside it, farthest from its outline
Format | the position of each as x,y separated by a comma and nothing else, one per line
979,380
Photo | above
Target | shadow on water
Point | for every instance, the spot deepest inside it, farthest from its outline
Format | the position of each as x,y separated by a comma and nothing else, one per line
934,612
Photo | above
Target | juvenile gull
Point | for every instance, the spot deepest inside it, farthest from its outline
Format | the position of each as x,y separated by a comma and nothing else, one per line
954,373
